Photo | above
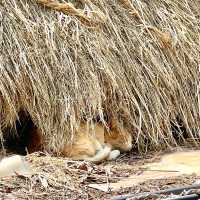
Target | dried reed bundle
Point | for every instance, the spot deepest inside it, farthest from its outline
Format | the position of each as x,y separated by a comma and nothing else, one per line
144,73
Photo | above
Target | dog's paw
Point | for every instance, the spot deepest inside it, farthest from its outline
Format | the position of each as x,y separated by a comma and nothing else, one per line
114,154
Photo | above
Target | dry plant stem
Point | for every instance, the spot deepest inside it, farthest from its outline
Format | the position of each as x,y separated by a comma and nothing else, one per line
165,38
68,8
128,5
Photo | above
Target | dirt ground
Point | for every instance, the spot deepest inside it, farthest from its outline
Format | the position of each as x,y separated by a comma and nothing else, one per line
60,178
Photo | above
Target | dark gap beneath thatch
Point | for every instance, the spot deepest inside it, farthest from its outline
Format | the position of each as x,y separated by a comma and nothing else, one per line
20,138
179,130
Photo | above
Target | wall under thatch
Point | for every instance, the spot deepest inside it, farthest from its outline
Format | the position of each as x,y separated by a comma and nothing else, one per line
137,61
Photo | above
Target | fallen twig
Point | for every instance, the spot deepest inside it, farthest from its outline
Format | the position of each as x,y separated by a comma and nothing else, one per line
155,194
187,197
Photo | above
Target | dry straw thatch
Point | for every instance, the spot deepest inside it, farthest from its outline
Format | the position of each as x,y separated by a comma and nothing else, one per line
136,61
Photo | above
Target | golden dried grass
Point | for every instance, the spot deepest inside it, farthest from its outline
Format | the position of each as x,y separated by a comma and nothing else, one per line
142,70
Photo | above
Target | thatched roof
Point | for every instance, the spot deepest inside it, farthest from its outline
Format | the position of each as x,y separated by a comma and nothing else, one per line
137,61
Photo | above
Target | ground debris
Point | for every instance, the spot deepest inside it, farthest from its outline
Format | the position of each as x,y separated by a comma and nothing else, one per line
61,178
